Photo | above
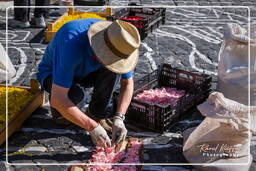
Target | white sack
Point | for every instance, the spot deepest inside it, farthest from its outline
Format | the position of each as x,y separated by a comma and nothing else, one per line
234,64
226,126
6,66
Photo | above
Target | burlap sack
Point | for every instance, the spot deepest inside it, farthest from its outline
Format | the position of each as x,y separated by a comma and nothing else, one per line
234,63
6,67
222,138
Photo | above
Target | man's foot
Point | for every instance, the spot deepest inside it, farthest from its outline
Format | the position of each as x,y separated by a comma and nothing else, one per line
106,124
19,24
38,22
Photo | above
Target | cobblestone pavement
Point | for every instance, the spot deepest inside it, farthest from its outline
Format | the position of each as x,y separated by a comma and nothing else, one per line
190,40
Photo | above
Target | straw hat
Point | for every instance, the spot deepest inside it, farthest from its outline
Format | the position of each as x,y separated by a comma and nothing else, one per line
115,45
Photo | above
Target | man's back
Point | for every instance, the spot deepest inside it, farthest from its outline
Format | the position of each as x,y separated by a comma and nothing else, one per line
69,54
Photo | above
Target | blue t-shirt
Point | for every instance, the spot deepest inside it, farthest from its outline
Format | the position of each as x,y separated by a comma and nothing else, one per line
69,55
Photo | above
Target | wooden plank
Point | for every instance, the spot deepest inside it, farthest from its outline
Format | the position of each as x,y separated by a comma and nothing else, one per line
109,11
121,146
17,120
77,168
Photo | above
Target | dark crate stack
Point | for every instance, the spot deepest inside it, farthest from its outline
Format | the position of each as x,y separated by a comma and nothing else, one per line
159,118
91,2
152,18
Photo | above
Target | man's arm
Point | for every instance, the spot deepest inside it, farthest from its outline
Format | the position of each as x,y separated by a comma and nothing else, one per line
61,102
119,131
125,95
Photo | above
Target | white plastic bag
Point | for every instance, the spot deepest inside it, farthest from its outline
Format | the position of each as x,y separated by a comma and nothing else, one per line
5,69
222,137
233,64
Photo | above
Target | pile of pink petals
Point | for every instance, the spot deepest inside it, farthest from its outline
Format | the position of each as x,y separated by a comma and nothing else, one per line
160,96
109,158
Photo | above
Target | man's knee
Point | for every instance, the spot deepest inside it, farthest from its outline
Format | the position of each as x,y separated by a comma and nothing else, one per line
75,93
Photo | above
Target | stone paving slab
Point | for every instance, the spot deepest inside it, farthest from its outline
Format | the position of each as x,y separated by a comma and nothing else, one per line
189,40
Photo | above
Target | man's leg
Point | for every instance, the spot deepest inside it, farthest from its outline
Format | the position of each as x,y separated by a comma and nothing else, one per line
21,14
40,13
104,82
75,94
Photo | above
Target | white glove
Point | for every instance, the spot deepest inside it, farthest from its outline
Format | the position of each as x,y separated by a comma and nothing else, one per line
100,137
119,131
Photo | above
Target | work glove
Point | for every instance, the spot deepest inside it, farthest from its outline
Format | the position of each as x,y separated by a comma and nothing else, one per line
100,137
119,131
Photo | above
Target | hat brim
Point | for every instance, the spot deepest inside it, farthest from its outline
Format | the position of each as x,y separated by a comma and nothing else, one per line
105,56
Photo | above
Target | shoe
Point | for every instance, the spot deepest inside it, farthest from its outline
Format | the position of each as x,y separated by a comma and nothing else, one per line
106,124
19,24
38,22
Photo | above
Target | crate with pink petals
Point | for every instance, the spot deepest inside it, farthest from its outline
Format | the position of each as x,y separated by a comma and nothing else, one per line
161,97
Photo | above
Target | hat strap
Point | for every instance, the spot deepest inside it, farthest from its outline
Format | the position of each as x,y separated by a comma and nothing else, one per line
112,47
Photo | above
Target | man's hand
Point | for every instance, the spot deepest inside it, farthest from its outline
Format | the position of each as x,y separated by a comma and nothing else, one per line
119,131
100,137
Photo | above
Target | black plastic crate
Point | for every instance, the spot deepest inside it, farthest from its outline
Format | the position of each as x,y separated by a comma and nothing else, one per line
152,18
90,2
160,118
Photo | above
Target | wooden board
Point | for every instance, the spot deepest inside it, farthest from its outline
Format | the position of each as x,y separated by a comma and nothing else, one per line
15,123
